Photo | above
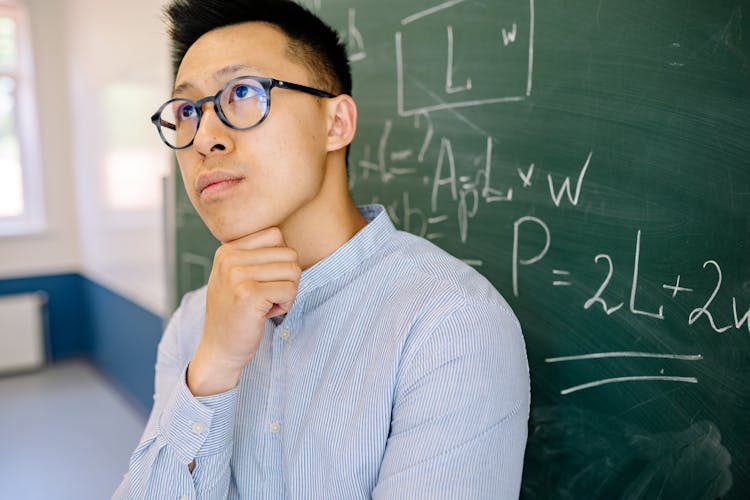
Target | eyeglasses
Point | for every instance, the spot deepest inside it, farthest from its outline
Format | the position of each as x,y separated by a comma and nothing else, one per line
241,104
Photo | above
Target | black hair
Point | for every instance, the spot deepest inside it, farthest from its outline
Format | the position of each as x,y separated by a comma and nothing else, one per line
311,41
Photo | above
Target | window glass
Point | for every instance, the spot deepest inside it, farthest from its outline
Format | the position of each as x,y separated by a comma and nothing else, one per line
21,196
7,43
11,187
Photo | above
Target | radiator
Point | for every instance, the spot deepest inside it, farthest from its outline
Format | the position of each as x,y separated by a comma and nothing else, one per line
22,326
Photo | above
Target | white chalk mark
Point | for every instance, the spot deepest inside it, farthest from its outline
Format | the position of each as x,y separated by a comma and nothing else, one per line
434,236
498,196
473,263
438,219
445,149
449,88
402,171
565,188
401,155
597,298
703,311
561,283
430,11
409,213
660,314
464,104
428,134
676,288
526,178
443,106
510,36
355,39
597,383
744,319
436,107
525,262
559,272
625,354
531,47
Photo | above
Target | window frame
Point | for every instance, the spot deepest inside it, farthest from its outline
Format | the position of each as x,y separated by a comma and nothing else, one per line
32,219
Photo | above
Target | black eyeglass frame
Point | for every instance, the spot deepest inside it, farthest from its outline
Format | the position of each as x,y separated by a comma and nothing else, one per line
265,82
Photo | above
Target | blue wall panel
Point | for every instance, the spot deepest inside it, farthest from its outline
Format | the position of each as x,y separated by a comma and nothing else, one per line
69,330
124,341
87,319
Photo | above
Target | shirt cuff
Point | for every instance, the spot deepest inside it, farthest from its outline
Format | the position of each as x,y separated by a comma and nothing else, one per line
198,426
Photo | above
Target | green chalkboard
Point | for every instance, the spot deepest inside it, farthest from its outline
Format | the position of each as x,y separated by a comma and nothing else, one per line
592,159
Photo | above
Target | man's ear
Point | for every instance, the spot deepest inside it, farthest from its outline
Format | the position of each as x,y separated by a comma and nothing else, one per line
342,122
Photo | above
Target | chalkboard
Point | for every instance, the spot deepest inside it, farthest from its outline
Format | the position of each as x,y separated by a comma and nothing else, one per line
592,159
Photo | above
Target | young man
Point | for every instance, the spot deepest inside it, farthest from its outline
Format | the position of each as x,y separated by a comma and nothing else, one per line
330,355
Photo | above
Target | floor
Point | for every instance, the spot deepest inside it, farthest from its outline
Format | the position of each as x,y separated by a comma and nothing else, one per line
65,434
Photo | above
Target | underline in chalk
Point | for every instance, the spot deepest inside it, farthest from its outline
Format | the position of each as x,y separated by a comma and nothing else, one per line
597,383
598,355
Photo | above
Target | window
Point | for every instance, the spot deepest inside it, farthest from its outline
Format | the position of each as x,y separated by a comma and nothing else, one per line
20,183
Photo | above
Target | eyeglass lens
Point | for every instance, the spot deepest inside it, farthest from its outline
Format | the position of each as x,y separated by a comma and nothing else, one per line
243,103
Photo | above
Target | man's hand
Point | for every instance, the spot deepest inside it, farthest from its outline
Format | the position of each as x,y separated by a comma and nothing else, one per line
252,279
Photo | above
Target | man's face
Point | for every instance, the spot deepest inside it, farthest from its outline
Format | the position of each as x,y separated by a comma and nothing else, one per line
267,175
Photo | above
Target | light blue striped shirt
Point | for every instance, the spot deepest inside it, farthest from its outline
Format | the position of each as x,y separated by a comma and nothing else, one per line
400,372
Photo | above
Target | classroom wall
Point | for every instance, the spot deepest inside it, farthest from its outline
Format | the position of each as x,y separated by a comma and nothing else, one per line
118,74
101,70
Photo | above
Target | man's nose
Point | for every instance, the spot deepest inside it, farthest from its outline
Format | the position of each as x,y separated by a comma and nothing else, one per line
212,134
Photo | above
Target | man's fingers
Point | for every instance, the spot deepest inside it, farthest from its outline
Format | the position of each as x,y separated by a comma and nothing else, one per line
265,273
277,296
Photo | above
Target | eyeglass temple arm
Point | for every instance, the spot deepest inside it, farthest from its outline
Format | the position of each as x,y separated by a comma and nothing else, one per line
303,88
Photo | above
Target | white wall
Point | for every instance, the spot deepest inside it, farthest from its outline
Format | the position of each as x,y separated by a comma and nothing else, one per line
118,75
102,68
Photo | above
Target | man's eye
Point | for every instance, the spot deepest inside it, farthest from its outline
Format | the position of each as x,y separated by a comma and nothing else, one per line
185,112
243,91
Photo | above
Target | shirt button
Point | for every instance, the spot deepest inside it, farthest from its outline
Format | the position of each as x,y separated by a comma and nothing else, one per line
183,497
275,427
197,427
285,333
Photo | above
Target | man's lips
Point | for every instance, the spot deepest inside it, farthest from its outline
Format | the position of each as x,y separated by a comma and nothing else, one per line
215,177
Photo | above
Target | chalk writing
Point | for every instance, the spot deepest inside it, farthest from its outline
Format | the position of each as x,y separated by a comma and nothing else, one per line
703,310
597,298
449,87
356,43
565,188
510,36
414,96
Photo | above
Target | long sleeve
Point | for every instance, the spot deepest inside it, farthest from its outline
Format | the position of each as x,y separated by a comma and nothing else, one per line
460,416
180,429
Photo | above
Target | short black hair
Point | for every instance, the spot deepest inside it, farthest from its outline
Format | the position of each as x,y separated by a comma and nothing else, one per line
311,41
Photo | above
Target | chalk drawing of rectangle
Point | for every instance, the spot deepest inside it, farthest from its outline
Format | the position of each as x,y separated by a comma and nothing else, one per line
194,270
433,26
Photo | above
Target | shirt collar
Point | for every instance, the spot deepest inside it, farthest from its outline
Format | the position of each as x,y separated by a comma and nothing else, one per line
351,254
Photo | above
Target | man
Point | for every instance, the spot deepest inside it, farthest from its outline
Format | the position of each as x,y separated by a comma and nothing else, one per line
330,355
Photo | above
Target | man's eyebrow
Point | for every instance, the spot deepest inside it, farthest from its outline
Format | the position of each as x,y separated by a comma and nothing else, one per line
221,75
